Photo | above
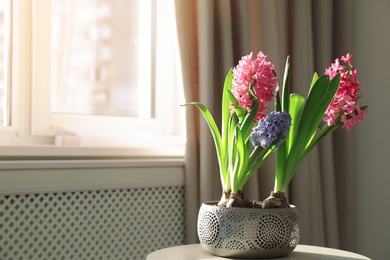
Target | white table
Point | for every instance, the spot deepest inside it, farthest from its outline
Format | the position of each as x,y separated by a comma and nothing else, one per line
301,252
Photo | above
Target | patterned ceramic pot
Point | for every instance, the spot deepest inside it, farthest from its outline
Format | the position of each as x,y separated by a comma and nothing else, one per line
248,232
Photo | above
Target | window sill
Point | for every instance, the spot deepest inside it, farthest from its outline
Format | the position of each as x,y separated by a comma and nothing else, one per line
91,164
97,147
42,152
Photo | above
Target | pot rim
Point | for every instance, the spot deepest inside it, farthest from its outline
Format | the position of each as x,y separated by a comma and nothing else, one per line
214,203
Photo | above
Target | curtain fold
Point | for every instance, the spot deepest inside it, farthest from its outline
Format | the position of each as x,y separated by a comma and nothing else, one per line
187,30
213,36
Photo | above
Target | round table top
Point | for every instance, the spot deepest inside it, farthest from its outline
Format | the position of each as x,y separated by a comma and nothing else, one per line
301,252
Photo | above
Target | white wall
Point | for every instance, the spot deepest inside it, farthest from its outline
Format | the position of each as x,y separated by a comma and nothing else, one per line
372,137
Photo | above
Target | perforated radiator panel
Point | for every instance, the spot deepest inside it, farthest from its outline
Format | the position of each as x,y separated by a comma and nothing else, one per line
109,224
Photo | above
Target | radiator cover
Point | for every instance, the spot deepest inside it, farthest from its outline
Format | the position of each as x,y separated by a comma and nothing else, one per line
100,224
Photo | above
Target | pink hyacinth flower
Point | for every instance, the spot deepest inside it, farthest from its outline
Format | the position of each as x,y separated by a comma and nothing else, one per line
343,107
258,72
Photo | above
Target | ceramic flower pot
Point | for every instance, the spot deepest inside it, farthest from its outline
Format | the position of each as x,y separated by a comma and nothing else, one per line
248,232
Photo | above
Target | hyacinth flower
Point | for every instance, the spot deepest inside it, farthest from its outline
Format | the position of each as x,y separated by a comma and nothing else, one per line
248,89
272,128
329,105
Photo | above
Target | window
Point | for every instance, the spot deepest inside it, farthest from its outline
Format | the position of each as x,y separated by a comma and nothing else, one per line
94,56
89,78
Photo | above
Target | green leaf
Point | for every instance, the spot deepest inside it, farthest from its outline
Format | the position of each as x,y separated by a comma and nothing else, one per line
322,106
311,117
296,105
314,79
240,160
226,113
240,113
231,149
221,154
260,157
317,101
325,130
295,110
281,159
286,86
247,123
234,161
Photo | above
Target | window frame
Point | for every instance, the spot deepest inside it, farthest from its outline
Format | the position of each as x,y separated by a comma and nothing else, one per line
31,136
7,63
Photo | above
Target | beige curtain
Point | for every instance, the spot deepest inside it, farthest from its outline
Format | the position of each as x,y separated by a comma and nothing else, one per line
213,36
